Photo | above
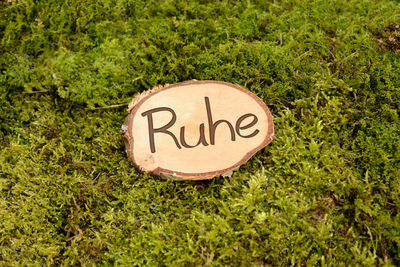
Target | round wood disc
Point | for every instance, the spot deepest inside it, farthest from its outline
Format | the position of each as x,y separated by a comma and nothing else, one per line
196,129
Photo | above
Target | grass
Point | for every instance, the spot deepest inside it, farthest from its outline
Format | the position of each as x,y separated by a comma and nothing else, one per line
326,191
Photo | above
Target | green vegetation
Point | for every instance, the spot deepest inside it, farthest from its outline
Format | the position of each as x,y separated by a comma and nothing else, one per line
326,191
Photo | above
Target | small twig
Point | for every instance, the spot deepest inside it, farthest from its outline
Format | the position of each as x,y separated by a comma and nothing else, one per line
280,39
108,107
14,54
37,92
137,78
286,102
97,176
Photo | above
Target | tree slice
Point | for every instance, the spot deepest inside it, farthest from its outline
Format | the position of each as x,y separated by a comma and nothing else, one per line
196,130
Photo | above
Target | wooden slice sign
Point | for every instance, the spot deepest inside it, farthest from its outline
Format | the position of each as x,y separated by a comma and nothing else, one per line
196,129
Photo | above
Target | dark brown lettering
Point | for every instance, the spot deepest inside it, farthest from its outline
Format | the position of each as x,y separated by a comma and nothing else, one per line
163,129
202,139
252,123
213,126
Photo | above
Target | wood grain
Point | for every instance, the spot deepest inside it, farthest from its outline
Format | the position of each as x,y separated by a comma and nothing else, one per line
196,130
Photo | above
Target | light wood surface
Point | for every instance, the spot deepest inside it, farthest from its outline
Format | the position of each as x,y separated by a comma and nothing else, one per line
196,130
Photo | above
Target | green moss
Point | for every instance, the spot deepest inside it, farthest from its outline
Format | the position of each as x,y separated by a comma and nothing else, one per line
326,191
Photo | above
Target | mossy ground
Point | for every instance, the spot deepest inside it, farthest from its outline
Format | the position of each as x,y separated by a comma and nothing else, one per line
325,191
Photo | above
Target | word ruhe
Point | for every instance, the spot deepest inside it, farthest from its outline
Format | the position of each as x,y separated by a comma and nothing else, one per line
212,126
